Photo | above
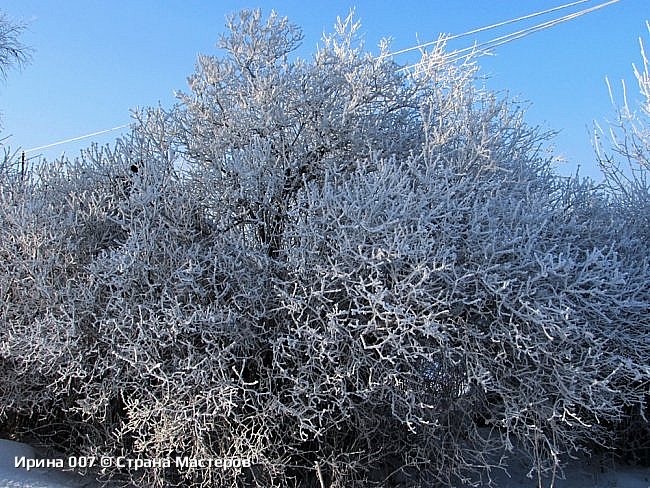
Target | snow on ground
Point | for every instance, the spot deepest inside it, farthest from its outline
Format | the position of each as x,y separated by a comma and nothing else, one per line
594,473
41,477
584,474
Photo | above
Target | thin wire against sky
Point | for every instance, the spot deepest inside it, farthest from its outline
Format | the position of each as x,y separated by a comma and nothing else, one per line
453,56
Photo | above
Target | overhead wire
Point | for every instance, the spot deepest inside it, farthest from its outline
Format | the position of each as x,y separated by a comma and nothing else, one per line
454,56
73,139
485,28
498,41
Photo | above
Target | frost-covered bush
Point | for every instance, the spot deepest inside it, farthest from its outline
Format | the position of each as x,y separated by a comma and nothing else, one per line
623,150
344,273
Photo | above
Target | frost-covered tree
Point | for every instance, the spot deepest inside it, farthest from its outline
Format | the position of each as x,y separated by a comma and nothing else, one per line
258,128
350,275
12,51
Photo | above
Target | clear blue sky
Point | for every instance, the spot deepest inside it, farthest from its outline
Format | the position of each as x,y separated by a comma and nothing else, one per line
93,61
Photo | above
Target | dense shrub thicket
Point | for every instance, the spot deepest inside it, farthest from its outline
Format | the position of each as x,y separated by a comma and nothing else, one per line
348,274
623,152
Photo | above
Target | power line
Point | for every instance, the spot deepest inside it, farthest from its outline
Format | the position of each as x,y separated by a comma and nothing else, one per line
482,29
498,41
545,25
452,57
76,138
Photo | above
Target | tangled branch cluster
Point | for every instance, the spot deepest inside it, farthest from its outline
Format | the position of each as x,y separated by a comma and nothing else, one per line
348,275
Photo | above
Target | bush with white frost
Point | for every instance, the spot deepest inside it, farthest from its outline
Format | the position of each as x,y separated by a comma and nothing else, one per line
344,273
624,156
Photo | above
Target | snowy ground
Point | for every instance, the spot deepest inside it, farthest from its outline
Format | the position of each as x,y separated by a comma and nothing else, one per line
12,477
580,475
